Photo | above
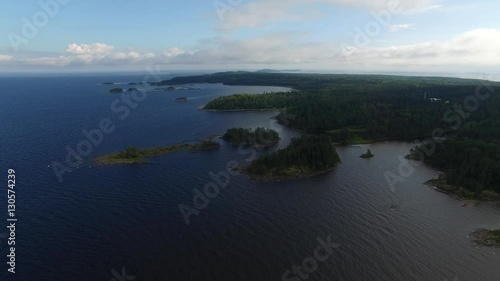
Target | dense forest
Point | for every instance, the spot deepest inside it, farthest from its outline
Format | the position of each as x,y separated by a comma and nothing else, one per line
305,156
257,137
382,114
472,167
302,81
364,108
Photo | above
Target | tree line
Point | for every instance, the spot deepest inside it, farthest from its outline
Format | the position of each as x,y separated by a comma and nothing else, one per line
386,107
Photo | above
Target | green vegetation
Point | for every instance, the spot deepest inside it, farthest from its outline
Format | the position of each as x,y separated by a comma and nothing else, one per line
472,167
488,238
267,101
181,99
365,108
495,236
257,137
205,145
130,153
135,155
306,156
301,81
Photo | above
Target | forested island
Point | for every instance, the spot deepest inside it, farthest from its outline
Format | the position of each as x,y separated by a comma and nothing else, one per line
306,156
116,91
488,238
135,155
462,116
258,137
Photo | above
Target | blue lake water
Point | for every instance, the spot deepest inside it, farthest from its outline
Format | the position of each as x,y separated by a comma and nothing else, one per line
101,220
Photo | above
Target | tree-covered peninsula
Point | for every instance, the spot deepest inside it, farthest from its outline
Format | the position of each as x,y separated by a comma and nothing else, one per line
364,108
472,167
257,137
306,156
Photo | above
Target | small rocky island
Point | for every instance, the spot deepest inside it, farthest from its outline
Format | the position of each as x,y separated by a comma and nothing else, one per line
368,155
487,238
181,99
134,155
305,157
121,90
259,137
116,91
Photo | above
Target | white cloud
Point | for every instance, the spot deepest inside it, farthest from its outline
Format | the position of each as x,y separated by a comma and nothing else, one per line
173,52
261,12
276,48
476,48
88,54
423,9
93,49
5,58
399,27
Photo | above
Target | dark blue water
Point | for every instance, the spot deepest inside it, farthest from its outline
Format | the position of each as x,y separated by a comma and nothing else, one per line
101,220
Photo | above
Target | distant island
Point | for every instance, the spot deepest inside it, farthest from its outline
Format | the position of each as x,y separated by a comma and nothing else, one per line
368,154
131,83
135,155
116,91
488,238
306,156
121,90
181,99
258,137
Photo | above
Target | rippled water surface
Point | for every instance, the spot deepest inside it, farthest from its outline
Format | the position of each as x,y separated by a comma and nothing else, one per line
101,219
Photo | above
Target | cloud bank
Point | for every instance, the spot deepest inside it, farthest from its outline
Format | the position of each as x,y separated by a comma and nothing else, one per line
475,48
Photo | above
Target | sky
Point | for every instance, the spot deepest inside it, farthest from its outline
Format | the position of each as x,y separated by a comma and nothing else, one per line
330,35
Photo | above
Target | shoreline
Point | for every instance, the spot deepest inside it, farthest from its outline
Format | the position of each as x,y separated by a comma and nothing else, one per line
141,154
437,184
256,145
486,237
285,178
202,108
432,182
364,141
